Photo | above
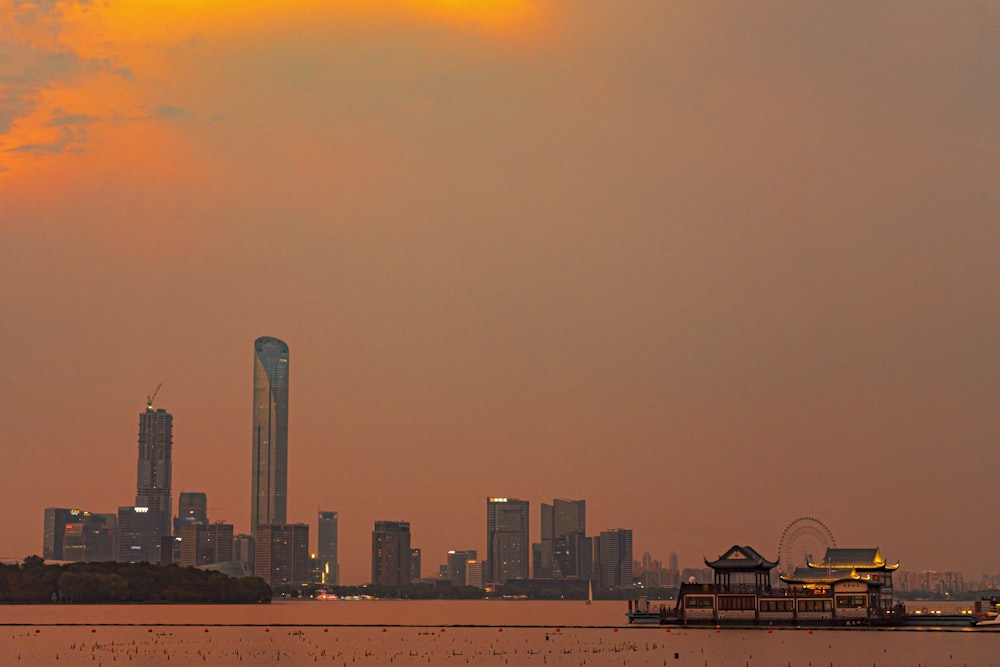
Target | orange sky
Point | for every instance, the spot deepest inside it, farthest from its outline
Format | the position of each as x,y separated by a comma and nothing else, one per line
709,267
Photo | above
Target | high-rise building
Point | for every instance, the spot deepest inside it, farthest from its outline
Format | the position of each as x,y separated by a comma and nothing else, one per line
329,568
564,550
456,565
391,557
54,529
92,539
415,561
78,535
474,573
269,485
204,545
507,539
153,474
615,558
244,552
192,507
282,554
137,539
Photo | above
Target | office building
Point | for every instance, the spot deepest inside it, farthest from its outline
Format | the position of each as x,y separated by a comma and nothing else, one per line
391,556
54,528
138,540
474,573
326,551
244,552
615,569
192,507
78,535
269,484
565,549
456,565
205,545
153,476
507,539
281,555
415,571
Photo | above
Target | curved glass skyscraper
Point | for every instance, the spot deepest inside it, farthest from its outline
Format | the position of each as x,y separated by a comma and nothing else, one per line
270,433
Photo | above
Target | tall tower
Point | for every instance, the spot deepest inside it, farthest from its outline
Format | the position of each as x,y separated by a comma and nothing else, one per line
153,476
507,546
270,433
391,554
327,549
616,558
564,544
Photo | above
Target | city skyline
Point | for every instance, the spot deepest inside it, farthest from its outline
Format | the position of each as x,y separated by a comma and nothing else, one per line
680,260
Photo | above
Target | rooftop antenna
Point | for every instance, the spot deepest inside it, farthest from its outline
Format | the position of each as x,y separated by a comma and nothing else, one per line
150,399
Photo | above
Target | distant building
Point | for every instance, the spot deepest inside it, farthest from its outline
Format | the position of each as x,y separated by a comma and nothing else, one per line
281,554
243,552
507,539
205,545
153,477
78,535
615,569
474,573
269,482
456,565
138,537
192,507
415,560
56,519
563,529
391,556
328,565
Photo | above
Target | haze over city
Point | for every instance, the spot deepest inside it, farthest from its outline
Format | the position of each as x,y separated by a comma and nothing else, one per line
709,266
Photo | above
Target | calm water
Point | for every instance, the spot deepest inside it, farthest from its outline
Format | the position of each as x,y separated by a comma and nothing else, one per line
387,633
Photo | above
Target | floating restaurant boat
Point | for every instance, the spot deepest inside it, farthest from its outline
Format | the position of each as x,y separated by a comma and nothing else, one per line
848,587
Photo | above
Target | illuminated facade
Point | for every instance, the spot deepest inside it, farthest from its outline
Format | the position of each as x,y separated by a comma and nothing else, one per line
153,475
269,485
508,548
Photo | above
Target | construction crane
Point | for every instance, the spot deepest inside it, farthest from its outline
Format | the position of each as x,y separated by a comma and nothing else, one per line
150,399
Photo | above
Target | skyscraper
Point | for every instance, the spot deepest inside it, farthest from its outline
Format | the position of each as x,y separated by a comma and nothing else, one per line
282,554
508,548
391,557
192,507
153,475
270,433
616,558
564,548
329,569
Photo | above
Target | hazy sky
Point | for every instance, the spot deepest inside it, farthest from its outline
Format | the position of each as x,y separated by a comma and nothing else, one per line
709,266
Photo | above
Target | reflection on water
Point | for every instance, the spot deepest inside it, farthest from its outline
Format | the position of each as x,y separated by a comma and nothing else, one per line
375,633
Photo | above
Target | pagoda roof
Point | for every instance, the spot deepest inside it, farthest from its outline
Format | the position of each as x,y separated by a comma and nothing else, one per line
741,559
809,575
858,559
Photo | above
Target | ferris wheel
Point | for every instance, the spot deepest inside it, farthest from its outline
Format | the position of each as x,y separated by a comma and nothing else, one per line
804,539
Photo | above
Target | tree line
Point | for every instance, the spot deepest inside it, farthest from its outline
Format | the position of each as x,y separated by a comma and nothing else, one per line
34,581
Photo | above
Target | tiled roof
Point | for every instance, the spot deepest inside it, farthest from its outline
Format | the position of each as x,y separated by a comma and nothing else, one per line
740,558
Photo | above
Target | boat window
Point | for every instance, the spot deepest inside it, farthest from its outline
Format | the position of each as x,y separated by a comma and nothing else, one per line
739,602
698,602
776,605
851,601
